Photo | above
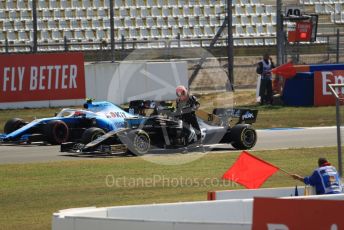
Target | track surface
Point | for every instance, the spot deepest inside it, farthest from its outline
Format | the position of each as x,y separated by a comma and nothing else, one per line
268,139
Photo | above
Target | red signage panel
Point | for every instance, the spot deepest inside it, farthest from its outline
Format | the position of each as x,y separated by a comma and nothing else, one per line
322,92
296,214
38,77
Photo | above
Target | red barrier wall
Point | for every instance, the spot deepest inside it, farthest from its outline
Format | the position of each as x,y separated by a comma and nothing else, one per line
38,77
322,92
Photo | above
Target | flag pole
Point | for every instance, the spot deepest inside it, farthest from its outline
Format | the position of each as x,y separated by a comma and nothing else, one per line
286,172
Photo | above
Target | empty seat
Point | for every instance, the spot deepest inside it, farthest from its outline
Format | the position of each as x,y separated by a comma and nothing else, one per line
80,13
64,4
245,20
269,9
176,11
139,22
86,3
186,11
260,9
79,35
2,36
271,29
144,33
165,11
261,30
106,23
44,36
118,3
166,33
85,23
75,23
42,24
42,4
150,22
197,11
175,32
90,35
69,13
172,2
193,22
239,10
76,4
239,30
23,35
214,21
117,22
320,8
251,30
133,33
13,14
98,3
144,12
52,24
96,23
133,12
53,4
182,22
155,34
56,35
161,22
207,11
171,22
127,22
21,4
256,19
68,34
101,34
19,25
102,13
198,32
209,31
266,19
8,25
91,13
140,3
57,13
249,10
187,32
63,24
123,12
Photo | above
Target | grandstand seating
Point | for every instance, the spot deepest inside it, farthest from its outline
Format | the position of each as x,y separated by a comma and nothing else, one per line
88,20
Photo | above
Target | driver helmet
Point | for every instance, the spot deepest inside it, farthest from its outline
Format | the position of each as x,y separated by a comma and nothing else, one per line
182,93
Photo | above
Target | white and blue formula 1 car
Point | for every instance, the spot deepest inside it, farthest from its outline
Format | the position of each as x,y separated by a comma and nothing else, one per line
81,125
164,130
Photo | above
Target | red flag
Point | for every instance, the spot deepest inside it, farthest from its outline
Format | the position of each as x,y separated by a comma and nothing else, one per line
250,171
287,70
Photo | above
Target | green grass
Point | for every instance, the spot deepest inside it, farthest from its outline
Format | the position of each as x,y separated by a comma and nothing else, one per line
30,193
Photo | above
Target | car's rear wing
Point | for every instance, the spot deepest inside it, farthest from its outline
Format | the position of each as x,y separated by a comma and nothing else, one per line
244,115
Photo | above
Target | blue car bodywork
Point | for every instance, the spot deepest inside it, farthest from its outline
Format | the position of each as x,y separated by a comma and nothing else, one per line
103,115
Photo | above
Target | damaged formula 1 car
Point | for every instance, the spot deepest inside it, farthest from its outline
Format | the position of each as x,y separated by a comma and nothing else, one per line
165,130
81,125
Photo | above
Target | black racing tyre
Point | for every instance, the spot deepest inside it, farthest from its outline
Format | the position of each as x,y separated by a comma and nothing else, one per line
243,136
139,143
91,134
13,124
56,132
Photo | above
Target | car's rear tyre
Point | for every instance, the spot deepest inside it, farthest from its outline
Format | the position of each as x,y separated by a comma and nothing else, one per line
13,124
91,134
243,136
56,132
139,143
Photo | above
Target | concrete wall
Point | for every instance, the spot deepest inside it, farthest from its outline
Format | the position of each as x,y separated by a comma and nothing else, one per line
251,193
121,83
233,214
